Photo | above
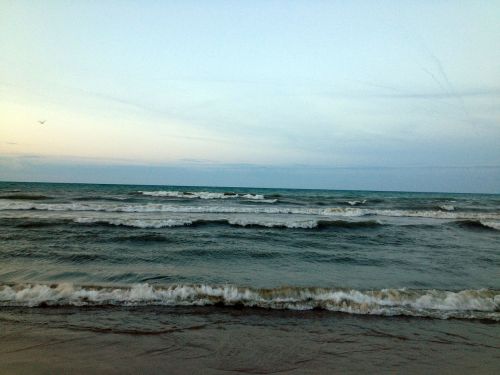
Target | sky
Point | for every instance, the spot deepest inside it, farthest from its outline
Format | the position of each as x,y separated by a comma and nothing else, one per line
370,95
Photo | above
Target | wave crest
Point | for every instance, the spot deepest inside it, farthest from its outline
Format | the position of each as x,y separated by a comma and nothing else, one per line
205,195
465,304
238,222
356,203
228,209
447,207
480,224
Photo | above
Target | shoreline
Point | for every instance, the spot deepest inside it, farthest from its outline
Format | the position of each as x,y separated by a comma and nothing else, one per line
202,341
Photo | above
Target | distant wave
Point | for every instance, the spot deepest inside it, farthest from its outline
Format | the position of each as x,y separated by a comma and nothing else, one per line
136,223
38,223
464,304
149,237
102,198
332,211
269,222
240,222
31,197
447,207
356,203
206,195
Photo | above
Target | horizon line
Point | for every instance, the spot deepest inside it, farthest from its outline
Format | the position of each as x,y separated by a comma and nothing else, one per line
245,187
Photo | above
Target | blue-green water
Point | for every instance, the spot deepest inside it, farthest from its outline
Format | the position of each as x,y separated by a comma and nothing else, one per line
377,253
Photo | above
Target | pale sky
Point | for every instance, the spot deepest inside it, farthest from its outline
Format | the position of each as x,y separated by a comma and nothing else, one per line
386,95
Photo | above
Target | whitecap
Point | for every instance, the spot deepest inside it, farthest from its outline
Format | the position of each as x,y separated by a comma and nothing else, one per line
205,195
247,209
447,207
491,224
465,304
355,203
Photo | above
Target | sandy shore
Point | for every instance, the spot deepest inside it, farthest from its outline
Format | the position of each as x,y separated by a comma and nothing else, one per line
231,341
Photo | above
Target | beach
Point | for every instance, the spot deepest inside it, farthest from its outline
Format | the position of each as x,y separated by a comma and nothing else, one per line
203,341
204,280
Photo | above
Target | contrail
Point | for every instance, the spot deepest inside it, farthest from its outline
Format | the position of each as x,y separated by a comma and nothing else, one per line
444,83
451,88
437,81
442,80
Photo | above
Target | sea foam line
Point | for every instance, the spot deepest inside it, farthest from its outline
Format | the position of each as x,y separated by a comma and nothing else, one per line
465,304
331,211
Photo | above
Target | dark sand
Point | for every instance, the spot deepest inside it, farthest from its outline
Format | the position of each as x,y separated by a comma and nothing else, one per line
225,341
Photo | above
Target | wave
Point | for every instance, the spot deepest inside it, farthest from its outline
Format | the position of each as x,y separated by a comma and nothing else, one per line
102,198
239,222
206,195
491,224
331,211
37,223
356,203
136,223
465,304
446,207
149,237
31,197
480,224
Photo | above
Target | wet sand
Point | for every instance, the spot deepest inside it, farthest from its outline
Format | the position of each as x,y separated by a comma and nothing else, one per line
225,341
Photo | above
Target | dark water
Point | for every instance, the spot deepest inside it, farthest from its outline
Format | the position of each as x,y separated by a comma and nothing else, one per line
148,259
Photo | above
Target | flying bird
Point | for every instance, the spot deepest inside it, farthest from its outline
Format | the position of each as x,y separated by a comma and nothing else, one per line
41,122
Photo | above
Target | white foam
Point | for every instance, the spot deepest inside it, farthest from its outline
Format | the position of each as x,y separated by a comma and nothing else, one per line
178,222
491,224
301,224
205,195
241,209
447,207
465,304
355,203
136,223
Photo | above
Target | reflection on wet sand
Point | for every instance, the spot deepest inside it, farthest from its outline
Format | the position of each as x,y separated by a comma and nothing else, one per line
201,341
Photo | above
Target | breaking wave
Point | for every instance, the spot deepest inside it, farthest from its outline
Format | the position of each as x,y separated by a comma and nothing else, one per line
491,224
237,222
331,211
447,207
356,203
480,224
206,195
464,304
135,223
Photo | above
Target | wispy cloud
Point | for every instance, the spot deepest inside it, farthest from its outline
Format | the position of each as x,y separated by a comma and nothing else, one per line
391,92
